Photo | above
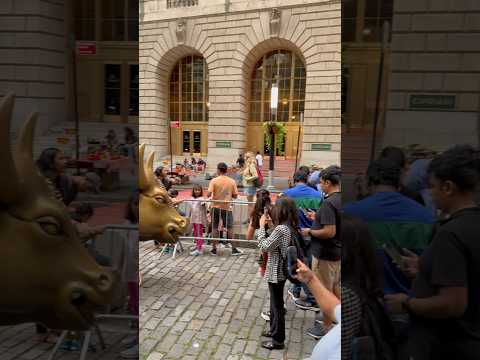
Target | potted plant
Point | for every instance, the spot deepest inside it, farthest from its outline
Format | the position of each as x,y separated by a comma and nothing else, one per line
278,130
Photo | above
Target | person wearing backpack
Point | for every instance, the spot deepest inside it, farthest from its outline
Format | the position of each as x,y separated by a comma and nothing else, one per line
284,221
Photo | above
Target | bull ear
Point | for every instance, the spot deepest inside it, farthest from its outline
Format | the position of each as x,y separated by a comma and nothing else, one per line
26,167
9,186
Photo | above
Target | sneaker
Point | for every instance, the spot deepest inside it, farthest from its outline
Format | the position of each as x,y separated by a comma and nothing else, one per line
236,252
129,341
131,353
265,315
318,331
213,252
196,252
306,305
295,295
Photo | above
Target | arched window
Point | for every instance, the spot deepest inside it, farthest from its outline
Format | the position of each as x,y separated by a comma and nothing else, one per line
189,90
287,70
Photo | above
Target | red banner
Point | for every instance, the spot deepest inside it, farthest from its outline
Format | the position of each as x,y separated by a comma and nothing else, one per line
175,124
86,48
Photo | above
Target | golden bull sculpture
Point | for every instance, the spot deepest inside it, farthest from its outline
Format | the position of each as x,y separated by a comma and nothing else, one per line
47,275
158,218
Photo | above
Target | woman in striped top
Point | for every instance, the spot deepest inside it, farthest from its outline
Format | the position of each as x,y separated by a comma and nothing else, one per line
283,221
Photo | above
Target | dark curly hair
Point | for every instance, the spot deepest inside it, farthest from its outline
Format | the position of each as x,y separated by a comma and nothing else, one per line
460,165
284,212
332,173
263,201
359,264
384,172
395,154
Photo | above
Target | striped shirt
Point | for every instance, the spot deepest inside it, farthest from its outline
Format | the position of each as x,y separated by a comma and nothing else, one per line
276,245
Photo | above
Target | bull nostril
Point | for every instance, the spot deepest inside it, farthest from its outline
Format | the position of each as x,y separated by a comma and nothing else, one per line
78,298
182,223
104,282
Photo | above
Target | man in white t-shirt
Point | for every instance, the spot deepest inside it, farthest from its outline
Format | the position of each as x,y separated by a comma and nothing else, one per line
259,159
328,347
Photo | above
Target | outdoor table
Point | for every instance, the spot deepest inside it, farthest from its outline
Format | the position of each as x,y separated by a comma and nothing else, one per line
109,170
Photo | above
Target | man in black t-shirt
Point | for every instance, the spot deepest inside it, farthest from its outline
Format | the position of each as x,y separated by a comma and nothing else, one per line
325,246
444,306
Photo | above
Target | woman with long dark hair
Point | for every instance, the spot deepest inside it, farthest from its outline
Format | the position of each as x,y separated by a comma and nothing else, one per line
283,221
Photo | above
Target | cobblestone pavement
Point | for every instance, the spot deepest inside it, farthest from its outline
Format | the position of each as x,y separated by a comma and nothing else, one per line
209,308
18,343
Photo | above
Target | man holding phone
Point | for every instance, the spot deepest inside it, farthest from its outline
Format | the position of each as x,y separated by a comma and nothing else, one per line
326,248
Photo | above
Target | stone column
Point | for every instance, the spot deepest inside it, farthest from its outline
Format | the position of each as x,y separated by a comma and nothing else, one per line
33,58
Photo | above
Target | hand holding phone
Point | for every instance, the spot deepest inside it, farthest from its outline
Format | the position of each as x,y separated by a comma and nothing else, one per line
292,260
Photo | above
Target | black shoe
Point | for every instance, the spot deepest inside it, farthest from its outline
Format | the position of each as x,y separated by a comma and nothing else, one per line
213,252
236,252
307,305
267,333
271,346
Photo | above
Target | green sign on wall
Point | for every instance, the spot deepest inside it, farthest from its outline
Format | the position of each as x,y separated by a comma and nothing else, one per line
321,147
223,144
440,102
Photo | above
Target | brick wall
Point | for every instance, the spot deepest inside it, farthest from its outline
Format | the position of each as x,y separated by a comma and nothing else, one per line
435,50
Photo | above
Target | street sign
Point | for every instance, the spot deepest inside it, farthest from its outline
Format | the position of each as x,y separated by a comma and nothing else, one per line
321,147
440,102
175,124
223,144
86,48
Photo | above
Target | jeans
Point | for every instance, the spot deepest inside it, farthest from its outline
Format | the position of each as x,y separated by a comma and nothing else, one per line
297,289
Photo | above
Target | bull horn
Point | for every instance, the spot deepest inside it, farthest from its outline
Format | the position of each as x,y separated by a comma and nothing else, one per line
26,167
142,178
9,187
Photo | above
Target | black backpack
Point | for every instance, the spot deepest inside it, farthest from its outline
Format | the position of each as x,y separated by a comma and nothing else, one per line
297,241
376,339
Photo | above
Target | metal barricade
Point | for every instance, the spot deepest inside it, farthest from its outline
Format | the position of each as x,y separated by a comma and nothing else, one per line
239,216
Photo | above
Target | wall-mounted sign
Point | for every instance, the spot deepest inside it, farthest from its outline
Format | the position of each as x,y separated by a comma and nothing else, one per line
439,102
86,48
175,124
223,144
321,147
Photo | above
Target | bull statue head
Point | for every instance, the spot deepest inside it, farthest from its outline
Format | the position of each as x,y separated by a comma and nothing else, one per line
158,218
47,275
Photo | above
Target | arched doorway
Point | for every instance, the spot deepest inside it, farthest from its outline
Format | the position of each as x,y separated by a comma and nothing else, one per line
287,70
188,106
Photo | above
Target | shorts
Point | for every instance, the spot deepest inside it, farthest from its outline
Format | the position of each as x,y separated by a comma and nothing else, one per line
329,273
225,215
250,190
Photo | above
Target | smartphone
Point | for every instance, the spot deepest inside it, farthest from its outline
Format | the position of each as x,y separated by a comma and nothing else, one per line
393,253
292,260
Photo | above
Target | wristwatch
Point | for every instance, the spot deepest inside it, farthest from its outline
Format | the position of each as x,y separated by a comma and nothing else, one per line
406,305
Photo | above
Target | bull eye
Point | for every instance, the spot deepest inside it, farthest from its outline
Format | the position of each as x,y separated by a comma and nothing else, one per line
160,200
50,225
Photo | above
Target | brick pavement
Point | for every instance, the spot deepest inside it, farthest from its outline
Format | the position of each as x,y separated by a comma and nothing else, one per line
209,308
18,343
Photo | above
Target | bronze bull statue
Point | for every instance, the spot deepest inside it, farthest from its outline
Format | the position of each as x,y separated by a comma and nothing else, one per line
47,275
158,218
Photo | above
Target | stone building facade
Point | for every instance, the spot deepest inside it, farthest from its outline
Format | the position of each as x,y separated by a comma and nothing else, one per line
33,58
435,74
232,36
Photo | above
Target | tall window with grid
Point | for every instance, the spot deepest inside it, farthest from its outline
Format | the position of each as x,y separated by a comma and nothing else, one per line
286,69
189,90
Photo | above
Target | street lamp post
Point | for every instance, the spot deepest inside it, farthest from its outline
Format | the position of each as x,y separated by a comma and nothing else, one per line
273,111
